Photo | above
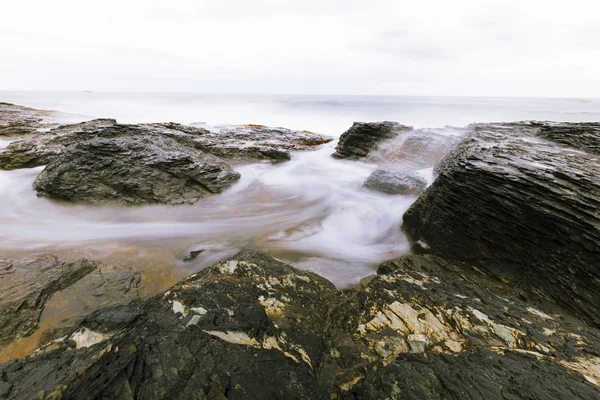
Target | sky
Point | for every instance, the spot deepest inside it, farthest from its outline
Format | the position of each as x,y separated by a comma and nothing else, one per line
525,48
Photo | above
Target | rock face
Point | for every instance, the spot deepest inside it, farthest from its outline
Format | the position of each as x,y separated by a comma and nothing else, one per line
19,121
26,285
395,182
358,141
254,327
522,201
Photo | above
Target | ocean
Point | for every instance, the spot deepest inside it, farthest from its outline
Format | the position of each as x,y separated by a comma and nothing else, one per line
311,211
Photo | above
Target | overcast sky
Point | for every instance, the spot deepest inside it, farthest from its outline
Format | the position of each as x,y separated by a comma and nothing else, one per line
488,48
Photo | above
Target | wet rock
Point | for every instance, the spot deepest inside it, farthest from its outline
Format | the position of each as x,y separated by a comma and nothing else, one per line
20,121
395,182
248,327
479,375
416,149
135,169
235,144
363,137
26,285
254,327
522,202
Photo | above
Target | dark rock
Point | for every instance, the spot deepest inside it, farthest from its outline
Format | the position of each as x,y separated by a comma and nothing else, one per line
20,121
236,144
26,285
524,208
479,375
395,182
583,136
192,255
249,327
254,327
363,137
133,168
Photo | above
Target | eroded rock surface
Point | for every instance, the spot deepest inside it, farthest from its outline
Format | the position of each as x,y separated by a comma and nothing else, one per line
254,327
522,201
20,121
235,144
395,182
26,285
363,137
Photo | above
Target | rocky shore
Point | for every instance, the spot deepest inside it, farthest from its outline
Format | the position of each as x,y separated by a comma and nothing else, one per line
499,300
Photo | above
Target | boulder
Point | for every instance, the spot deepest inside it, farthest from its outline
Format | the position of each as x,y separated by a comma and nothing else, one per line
395,182
522,201
134,169
363,137
254,327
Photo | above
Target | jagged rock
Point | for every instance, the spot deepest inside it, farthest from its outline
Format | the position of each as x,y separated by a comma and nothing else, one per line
20,121
236,144
395,182
26,285
521,203
135,169
254,327
362,137
249,327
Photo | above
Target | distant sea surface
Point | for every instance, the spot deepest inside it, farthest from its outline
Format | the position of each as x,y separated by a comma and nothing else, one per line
325,114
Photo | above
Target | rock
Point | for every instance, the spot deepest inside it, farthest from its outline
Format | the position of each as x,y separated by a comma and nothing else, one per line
254,327
236,144
20,121
522,201
26,285
248,327
416,149
363,137
135,169
395,182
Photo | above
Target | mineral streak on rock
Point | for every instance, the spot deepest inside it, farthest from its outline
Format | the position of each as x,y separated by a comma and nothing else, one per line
522,202
254,327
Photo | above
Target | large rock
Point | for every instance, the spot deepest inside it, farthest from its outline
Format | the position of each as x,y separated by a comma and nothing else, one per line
363,137
134,169
20,121
521,201
395,182
235,144
253,327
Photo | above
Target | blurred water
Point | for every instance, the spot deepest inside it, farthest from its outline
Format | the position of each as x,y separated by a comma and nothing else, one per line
312,210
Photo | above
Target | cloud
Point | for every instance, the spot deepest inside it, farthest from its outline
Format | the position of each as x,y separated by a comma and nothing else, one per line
509,47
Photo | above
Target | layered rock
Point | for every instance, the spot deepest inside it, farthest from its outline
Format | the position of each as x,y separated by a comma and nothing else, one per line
254,327
20,121
235,144
363,137
134,170
521,201
27,284
395,182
